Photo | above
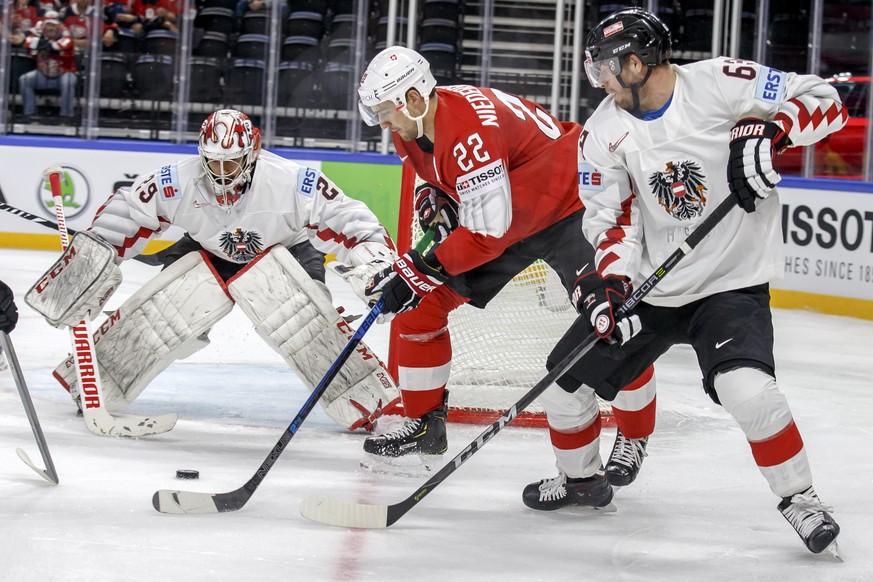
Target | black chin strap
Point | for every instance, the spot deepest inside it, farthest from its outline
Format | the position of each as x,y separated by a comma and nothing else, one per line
635,90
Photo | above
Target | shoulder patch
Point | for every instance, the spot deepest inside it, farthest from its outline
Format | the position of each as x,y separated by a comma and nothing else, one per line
480,180
590,177
306,180
770,86
168,183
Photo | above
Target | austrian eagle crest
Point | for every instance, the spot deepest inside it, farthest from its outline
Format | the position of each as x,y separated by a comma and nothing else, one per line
241,245
680,189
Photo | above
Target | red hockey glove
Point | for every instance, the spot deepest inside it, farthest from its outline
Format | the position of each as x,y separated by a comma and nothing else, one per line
599,299
434,208
750,173
405,283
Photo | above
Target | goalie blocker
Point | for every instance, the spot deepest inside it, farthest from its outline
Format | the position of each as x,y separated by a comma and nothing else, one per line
170,317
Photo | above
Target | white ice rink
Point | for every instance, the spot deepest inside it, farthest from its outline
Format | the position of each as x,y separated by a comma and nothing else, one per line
699,510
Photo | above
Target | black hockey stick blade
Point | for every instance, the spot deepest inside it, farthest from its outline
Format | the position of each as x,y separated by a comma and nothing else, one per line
170,501
360,515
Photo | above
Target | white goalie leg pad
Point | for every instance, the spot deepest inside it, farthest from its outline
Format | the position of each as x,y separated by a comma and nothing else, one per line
165,321
80,282
296,318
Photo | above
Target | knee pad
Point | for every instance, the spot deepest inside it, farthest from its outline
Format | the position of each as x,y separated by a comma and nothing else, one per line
754,400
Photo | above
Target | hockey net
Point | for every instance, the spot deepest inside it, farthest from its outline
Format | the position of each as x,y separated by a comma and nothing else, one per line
498,353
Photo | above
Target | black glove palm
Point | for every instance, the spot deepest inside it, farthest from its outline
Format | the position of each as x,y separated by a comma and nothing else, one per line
8,310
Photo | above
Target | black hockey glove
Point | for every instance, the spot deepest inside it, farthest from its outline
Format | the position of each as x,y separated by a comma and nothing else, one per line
433,207
8,310
750,173
405,283
599,299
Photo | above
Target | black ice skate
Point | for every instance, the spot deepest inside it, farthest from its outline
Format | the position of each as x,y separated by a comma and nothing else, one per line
549,494
812,520
626,459
425,435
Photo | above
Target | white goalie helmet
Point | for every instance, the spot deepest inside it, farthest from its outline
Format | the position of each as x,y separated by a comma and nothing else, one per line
229,146
388,77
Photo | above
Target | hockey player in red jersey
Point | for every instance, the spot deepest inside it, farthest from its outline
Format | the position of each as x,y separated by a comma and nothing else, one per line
501,188
669,144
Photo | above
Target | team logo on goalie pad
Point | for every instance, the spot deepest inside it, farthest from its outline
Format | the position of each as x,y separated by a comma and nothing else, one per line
680,189
241,245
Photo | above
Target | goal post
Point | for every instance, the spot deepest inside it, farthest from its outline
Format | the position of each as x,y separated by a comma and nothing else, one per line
498,353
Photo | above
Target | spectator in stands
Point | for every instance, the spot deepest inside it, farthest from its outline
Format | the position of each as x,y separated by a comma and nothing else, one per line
157,14
121,16
24,15
51,46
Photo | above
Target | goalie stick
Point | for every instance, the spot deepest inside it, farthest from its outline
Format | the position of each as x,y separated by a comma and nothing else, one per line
155,260
49,473
97,418
172,501
348,514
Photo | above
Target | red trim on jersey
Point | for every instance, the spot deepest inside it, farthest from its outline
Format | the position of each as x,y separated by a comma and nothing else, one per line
779,448
576,440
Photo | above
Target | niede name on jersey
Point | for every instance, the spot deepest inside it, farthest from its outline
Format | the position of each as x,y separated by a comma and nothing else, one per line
481,180
771,83
168,181
481,104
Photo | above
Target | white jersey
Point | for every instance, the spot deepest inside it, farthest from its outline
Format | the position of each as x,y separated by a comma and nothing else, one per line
647,185
285,204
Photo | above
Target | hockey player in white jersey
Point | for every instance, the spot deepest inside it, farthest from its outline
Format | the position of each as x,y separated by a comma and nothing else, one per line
253,221
663,149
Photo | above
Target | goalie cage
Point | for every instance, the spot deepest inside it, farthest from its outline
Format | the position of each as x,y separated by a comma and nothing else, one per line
499,352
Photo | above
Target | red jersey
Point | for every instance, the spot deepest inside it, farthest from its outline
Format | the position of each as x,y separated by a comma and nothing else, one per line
509,163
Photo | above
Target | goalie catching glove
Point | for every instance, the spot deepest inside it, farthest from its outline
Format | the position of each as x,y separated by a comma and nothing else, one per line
405,283
367,259
599,299
754,144
436,209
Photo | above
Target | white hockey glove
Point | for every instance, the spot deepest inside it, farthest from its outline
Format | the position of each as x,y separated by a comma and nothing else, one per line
750,173
367,259
80,282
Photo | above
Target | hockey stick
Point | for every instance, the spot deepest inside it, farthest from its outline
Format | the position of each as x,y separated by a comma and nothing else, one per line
167,501
49,473
347,514
97,418
155,260
170,501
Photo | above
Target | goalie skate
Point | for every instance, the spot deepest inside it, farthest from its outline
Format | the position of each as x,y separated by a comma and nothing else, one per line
812,521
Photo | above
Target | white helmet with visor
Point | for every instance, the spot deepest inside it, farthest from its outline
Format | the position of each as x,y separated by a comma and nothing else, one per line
388,77
229,146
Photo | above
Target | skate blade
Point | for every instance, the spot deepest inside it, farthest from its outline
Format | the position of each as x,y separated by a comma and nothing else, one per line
834,550
587,509
412,465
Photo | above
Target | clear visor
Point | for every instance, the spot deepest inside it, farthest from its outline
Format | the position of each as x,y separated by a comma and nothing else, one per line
376,114
601,72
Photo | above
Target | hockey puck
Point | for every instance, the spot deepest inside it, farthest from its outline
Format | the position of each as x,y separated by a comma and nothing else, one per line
187,474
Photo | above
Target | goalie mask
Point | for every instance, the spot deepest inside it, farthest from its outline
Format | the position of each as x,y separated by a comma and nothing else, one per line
631,31
228,148
388,77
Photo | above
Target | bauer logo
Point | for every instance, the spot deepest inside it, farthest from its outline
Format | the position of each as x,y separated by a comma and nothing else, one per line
168,182
770,85
480,180
306,178
589,177
75,193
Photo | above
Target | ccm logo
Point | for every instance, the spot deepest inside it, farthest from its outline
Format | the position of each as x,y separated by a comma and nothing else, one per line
56,270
